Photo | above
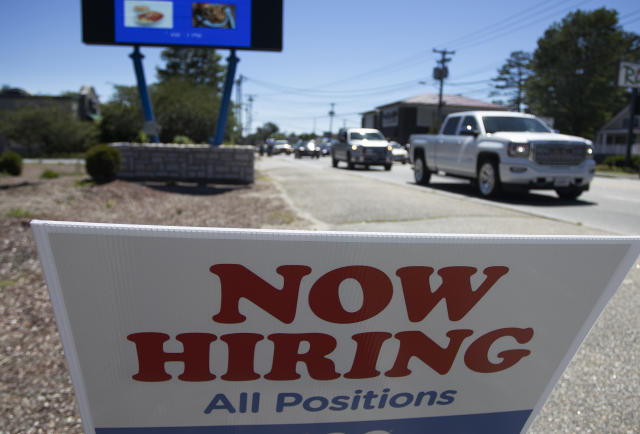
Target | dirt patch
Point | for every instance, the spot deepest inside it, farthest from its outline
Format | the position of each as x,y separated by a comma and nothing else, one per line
35,388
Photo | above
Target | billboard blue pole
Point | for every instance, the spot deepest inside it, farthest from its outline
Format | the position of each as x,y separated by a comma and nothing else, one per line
150,126
232,61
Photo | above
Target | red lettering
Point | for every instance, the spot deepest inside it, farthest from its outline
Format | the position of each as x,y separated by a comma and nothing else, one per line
418,344
152,357
477,356
238,282
455,289
324,298
286,356
242,347
367,352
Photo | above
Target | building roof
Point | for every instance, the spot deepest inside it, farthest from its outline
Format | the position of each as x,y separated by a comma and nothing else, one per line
615,124
431,99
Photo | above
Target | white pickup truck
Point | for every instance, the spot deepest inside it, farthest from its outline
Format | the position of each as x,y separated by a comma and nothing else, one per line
504,151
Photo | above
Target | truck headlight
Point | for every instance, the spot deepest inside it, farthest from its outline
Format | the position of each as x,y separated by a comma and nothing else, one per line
354,147
589,152
389,148
519,150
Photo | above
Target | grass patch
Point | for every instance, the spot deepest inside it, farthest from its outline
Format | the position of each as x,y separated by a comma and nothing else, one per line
49,174
7,282
84,183
604,168
19,213
283,217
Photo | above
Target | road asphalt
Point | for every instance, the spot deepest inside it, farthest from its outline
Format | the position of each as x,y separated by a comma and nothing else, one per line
600,390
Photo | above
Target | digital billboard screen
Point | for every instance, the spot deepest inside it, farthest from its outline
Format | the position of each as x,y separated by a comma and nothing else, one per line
242,24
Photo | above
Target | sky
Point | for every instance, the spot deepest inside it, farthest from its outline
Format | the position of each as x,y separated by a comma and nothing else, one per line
357,54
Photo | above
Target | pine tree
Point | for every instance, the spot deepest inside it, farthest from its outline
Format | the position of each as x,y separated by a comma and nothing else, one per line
511,78
200,66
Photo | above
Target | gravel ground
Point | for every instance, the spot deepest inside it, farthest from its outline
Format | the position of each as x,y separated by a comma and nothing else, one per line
36,395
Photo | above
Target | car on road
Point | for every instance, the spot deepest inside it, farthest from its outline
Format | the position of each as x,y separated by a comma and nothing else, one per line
306,148
363,146
499,150
282,147
325,148
399,153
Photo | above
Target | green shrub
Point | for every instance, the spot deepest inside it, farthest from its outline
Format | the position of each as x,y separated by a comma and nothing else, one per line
182,140
49,174
11,163
142,137
621,161
103,163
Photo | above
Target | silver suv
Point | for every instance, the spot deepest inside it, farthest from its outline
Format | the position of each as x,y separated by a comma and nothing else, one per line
364,146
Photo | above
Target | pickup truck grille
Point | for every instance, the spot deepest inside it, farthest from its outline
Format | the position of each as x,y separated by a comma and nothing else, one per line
375,152
559,154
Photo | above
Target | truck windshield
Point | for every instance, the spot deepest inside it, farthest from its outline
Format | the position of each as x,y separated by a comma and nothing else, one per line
493,124
367,136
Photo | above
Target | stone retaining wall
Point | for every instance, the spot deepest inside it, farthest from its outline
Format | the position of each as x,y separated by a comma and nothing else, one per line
192,163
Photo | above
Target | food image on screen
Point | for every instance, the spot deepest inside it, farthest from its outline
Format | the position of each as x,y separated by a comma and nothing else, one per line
214,15
150,14
149,17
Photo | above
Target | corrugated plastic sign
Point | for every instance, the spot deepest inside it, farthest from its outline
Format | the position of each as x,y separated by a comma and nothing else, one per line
195,330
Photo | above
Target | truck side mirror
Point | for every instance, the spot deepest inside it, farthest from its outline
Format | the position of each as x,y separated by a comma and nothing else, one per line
468,130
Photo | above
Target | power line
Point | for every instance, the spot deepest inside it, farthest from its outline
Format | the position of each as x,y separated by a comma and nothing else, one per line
282,89
491,28
508,29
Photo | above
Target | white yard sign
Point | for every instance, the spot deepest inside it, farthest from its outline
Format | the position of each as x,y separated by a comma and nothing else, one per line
193,330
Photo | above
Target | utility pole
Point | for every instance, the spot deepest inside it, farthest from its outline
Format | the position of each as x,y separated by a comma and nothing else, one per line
249,113
332,113
239,103
440,73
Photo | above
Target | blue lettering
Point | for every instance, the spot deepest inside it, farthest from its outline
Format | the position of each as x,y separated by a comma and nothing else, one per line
339,403
446,397
400,400
220,402
324,403
287,400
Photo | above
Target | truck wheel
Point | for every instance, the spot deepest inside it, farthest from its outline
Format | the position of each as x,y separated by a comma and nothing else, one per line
350,164
387,166
421,172
488,179
334,162
568,193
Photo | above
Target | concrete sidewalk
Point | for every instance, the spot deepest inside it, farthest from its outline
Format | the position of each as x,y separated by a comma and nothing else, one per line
339,200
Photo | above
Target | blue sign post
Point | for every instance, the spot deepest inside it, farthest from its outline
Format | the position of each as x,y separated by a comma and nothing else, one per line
147,110
232,62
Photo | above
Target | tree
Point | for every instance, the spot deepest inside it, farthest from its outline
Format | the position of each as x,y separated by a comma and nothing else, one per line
122,118
186,100
199,66
511,79
49,130
267,130
574,71
184,108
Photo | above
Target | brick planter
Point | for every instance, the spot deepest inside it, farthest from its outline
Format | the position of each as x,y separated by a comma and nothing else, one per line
191,163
